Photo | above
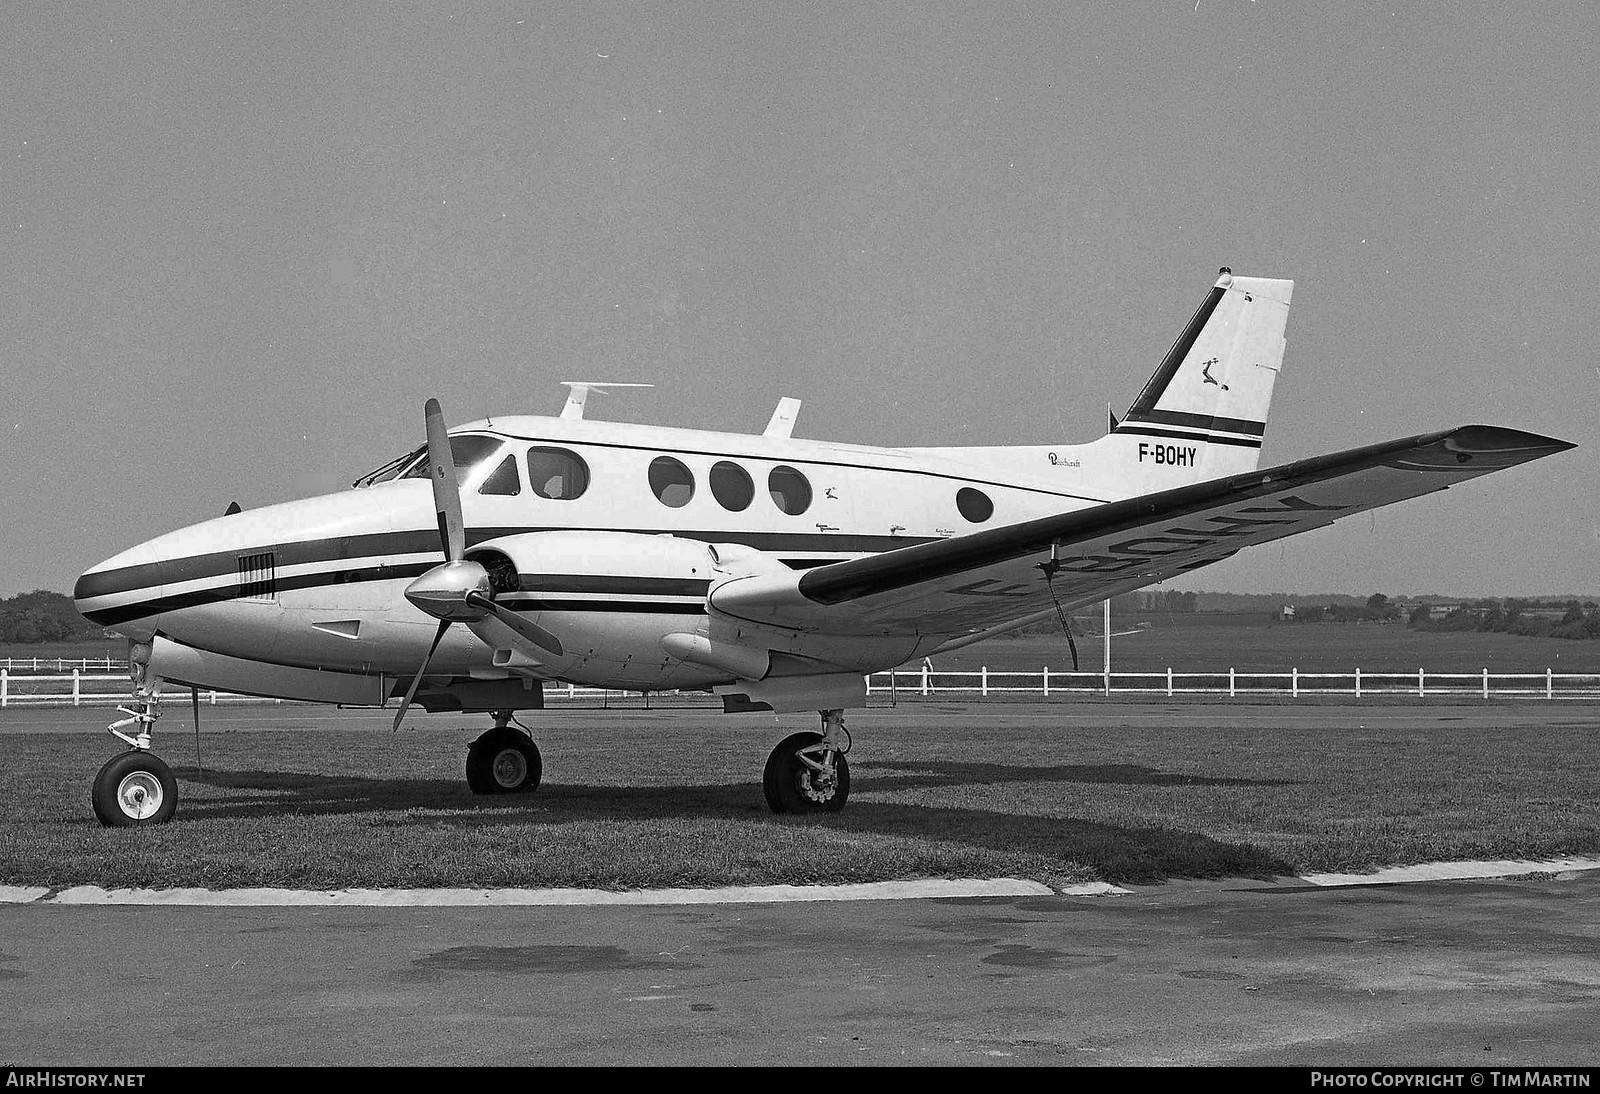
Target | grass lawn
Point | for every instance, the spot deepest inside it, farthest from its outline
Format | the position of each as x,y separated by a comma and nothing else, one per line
1122,791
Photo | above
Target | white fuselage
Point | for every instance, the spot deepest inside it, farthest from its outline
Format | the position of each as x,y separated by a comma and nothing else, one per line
319,583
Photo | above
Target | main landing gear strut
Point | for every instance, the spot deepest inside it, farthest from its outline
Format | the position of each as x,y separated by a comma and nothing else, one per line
503,760
136,787
807,772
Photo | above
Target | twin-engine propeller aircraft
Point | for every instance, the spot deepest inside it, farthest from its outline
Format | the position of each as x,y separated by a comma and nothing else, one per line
772,571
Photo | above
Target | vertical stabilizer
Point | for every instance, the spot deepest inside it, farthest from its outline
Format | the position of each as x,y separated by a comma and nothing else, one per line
1207,402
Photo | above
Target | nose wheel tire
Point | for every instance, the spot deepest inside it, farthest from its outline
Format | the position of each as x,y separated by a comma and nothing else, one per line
793,782
503,761
134,788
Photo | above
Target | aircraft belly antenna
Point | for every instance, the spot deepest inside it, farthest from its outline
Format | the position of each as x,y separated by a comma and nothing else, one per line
578,394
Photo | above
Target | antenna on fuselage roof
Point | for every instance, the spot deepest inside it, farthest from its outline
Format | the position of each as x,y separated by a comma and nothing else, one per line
782,423
578,394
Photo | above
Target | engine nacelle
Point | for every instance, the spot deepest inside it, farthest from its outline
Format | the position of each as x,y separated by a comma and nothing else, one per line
610,597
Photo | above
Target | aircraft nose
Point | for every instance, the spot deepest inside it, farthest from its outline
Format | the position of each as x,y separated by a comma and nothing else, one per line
137,584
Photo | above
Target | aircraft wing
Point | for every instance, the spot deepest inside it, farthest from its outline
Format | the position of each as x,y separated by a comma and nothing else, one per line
956,586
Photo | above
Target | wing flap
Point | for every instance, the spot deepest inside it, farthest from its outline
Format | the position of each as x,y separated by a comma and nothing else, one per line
957,585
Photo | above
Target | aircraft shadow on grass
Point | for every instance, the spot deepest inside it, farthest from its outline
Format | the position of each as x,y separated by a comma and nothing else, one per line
1118,852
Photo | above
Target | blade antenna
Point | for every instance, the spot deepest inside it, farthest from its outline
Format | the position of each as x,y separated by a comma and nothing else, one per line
1050,568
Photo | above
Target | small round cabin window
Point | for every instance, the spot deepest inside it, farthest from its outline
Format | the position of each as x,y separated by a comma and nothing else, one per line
557,474
790,491
671,482
974,504
731,486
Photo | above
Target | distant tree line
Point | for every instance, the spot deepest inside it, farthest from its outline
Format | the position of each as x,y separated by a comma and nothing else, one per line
1376,609
42,616
1553,619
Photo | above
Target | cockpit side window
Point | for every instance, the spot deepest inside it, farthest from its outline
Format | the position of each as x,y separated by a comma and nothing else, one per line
503,480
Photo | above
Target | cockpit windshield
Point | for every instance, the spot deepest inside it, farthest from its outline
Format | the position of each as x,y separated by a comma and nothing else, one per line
468,450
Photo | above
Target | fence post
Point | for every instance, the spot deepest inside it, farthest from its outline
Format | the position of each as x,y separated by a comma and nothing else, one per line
1047,681
1486,683
1549,684
5,680
213,696
77,693
1169,681
924,677
1294,682
984,680
1358,683
1230,683
1420,679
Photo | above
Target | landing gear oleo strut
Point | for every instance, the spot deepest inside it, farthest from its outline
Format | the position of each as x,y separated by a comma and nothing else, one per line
136,787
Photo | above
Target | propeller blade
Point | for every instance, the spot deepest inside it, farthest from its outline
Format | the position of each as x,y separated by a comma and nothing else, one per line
525,627
446,489
444,625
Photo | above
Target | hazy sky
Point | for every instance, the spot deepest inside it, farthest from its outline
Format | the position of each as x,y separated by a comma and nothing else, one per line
244,243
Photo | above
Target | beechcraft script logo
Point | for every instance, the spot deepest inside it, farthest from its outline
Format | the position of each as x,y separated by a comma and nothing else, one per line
1205,374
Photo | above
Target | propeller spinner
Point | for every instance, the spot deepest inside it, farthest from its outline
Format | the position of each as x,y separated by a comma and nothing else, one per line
458,589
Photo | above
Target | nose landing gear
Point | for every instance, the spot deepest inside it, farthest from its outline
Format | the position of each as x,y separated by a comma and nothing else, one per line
136,787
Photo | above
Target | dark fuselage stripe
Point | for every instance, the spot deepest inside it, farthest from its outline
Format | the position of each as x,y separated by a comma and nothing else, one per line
637,607
1241,442
1197,421
602,583
215,564
109,617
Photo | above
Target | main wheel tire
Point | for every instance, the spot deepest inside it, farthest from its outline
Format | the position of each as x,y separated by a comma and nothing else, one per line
134,788
793,787
503,761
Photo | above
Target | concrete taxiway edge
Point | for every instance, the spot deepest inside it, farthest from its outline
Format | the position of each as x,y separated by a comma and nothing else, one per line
1456,871
926,888
435,898
21,894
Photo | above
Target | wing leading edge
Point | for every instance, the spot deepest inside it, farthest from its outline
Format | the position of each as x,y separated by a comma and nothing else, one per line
954,586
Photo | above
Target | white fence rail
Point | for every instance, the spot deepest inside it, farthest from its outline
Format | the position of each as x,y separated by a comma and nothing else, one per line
64,664
83,688
985,682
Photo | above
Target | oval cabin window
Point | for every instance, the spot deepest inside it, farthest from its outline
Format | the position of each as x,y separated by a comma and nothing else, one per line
974,504
671,482
557,474
790,491
731,486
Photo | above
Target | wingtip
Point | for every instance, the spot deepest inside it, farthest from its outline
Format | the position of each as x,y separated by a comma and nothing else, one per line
1499,440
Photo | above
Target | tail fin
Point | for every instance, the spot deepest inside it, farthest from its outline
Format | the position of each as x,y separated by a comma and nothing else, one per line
1206,406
